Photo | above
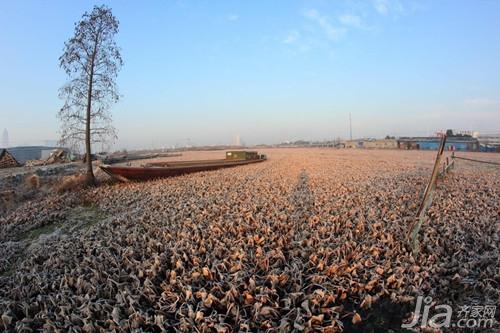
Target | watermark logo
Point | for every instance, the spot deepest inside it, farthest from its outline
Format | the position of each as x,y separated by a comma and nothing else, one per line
428,314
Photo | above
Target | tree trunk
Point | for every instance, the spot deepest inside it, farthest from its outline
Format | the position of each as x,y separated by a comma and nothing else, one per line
90,172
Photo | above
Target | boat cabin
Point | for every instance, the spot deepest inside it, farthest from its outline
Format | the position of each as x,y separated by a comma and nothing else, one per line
242,155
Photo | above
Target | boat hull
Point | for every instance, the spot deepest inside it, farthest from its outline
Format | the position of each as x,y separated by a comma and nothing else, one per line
171,169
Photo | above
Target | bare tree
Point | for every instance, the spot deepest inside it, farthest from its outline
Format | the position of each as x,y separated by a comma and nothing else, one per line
91,59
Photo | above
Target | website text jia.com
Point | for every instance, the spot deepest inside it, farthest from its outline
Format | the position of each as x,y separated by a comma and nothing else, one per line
428,314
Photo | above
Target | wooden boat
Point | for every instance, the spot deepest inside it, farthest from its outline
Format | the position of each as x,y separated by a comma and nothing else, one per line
174,168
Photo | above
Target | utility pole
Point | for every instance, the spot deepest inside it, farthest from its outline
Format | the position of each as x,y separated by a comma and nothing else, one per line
350,126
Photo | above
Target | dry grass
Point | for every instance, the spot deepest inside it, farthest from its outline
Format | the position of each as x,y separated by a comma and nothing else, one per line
32,182
68,183
311,240
7,201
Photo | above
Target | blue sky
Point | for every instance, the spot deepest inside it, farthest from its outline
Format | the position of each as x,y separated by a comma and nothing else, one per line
266,70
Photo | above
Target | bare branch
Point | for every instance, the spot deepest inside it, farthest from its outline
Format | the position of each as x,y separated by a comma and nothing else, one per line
92,60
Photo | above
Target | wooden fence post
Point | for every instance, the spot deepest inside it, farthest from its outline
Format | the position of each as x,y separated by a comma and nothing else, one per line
426,201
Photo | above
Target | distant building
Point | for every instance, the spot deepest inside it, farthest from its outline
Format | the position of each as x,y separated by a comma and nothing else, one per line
353,144
27,153
237,140
372,144
5,138
489,143
381,144
339,145
453,143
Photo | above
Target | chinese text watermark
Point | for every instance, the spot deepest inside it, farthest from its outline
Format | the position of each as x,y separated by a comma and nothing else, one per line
428,314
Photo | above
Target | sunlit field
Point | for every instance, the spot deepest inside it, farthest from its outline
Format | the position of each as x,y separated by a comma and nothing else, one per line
311,239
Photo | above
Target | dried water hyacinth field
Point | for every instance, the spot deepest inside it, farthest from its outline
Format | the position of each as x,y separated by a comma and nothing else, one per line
310,240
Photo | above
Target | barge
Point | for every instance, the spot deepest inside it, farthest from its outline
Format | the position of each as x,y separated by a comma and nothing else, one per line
175,168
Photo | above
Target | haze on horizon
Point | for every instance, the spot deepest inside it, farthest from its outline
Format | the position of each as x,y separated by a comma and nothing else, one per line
203,72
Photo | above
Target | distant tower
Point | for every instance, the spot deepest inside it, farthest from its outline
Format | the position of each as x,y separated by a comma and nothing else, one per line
5,138
237,141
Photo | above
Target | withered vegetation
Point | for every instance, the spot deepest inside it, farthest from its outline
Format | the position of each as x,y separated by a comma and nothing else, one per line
311,240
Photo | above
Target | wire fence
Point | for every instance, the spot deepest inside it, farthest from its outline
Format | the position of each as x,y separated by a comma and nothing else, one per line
428,193
474,160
